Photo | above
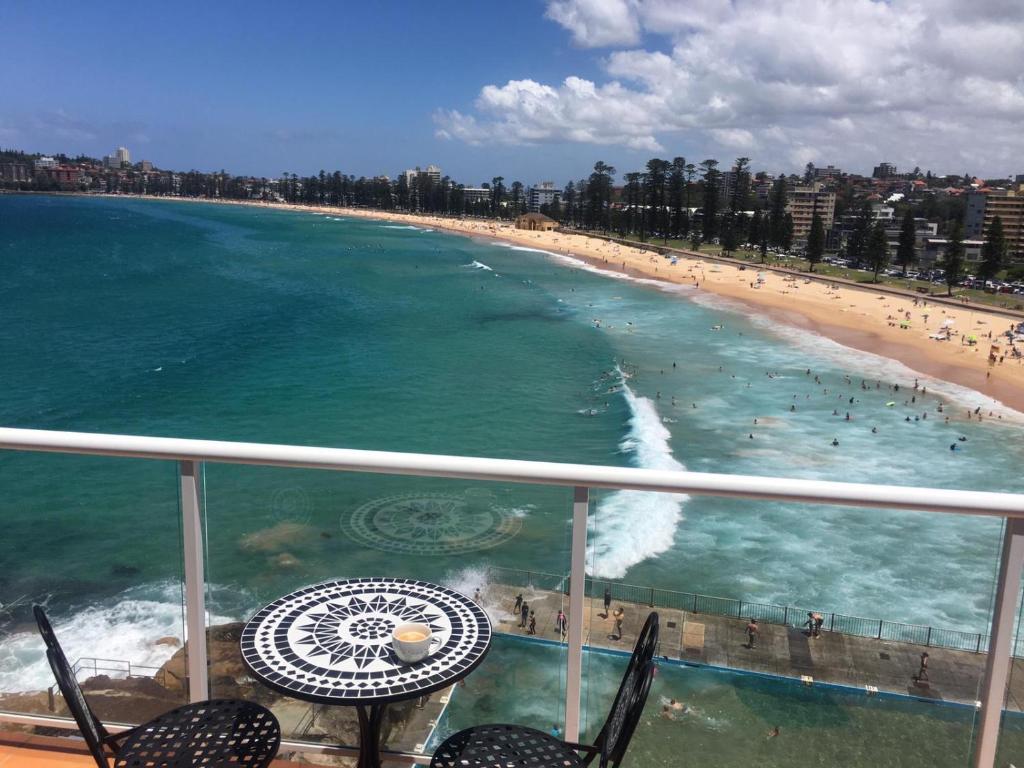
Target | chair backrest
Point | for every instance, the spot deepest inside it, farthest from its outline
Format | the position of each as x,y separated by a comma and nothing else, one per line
629,702
92,729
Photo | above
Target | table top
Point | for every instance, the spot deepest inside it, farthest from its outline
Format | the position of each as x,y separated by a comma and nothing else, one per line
331,643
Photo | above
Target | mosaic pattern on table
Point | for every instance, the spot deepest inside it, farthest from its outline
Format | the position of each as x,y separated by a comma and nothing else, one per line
332,642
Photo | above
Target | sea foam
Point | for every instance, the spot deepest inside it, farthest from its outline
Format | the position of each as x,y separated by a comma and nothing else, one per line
631,526
125,630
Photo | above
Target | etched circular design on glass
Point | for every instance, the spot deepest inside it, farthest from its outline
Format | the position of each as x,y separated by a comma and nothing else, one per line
433,523
331,642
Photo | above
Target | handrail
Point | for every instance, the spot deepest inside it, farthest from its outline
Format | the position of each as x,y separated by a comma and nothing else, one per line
518,471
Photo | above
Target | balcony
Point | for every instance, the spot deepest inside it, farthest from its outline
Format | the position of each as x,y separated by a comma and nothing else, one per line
231,526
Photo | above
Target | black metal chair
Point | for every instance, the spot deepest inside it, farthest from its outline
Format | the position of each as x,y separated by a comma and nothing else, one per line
219,732
514,746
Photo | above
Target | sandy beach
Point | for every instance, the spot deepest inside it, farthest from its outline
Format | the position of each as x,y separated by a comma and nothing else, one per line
892,326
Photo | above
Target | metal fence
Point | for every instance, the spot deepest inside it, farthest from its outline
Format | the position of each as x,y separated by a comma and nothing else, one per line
766,613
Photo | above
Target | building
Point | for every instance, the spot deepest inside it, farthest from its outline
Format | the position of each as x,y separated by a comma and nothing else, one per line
828,172
934,251
1008,205
65,176
120,158
473,195
884,171
542,194
45,163
804,201
16,172
412,175
536,222
145,166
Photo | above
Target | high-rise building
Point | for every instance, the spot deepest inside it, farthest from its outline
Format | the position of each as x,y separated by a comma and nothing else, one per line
542,194
828,172
804,201
123,156
884,171
1008,205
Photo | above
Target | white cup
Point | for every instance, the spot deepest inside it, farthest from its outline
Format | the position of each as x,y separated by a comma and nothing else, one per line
412,642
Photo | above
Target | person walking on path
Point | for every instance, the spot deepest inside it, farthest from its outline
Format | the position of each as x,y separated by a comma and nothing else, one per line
922,672
524,611
533,624
478,598
752,632
562,624
607,599
810,624
519,604
819,620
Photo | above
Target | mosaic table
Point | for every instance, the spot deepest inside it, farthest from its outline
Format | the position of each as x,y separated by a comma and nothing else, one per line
330,643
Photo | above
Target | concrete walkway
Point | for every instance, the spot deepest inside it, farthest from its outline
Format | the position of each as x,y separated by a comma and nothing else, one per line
721,641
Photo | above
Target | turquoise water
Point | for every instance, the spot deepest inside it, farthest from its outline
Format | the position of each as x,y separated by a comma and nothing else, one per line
193,320
728,716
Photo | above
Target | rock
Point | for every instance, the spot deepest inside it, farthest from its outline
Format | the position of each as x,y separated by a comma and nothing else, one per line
171,641
275,538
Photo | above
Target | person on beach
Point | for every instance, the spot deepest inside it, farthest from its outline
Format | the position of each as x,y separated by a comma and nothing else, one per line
752,632
518,605
810,625
607,599
819,620
524,612
533,624
562,624
773,733
478,598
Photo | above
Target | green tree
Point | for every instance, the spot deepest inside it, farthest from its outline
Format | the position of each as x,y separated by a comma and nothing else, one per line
654,191
497,195
815,240
993,252
856,245
777,211
599,196
877,249
741,185
696,238
676,194
952,265
787,232
709,223
729,238
905,251
754,229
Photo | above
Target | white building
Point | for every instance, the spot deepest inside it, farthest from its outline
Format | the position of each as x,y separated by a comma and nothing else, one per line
542,194
45,162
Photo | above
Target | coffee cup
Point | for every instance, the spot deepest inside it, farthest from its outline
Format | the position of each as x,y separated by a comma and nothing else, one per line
413,642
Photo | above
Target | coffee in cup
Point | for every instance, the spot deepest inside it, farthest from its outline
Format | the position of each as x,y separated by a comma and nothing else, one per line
412,642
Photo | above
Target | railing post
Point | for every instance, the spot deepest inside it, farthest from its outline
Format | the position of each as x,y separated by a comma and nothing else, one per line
785,615
577,584
195,583
880,628
928,640
652,597
832,622
997,665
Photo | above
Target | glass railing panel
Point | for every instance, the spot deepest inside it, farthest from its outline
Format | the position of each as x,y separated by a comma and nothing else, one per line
848,598
272,531
97,542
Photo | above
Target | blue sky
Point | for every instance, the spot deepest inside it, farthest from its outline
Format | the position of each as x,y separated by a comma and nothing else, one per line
529,90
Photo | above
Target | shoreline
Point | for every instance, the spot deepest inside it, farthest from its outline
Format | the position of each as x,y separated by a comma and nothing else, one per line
857,317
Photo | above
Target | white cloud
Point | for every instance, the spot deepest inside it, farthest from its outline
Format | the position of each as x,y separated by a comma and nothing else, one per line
595,23
925,82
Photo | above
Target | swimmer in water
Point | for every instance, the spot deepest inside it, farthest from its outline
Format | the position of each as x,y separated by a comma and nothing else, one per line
835,442
773,733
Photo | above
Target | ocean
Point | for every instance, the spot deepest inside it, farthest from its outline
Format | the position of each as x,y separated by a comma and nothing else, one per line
234,323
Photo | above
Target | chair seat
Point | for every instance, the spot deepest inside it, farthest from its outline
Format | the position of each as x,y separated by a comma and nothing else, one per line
220,732
504,746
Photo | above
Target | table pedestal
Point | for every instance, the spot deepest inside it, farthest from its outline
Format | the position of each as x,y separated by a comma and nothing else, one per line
369,734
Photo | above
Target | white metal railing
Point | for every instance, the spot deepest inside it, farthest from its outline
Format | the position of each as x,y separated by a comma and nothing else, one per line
581,478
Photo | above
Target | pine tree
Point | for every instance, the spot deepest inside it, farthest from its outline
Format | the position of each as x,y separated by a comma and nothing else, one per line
709,226
993,252
877,249
856,245
905,254
952,264
777,212
787,232
815,240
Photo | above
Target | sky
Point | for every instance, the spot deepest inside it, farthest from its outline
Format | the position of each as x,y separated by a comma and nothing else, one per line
532,90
